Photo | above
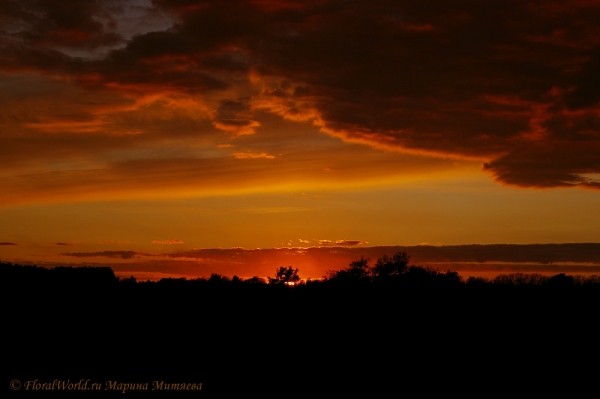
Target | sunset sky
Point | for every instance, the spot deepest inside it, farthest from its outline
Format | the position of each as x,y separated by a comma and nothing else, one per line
152,133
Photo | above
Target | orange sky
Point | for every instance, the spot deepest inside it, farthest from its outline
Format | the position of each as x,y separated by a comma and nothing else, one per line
168,125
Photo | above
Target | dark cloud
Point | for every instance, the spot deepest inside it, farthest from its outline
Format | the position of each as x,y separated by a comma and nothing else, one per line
585,92
539,253
71,23
7,243
106,254
513,84
342,242
64,244
350,242
313,262
561,164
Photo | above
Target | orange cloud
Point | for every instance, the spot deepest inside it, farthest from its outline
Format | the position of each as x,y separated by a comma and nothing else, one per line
235,117
513,85
252,155
237,127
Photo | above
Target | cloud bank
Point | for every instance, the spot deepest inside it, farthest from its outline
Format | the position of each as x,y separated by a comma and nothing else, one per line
106,254
513,84
314,262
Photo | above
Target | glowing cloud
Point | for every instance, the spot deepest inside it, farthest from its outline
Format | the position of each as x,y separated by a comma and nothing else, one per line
512,85
252,155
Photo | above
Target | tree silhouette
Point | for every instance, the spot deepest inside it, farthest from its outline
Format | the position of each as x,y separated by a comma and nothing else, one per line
128,280
255,280
216,278
285,275
358,270
387,266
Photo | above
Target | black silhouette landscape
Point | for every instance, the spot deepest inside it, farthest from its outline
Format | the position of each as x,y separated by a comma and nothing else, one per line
373,328
324,198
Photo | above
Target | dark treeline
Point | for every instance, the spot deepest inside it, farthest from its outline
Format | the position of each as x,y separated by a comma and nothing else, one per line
60,275
373,328
386,270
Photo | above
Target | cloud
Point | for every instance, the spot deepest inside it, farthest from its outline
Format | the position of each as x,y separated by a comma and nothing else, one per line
106,254
167,242
252,155
235,117
315,261
342,242
511,84
71,23
567,164
7,243
351,242
64,244
237,127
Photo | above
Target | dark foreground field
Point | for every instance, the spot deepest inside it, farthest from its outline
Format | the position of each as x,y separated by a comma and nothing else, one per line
407,336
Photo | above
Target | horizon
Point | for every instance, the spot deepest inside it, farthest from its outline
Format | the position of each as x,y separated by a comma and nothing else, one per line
134,131
486,261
